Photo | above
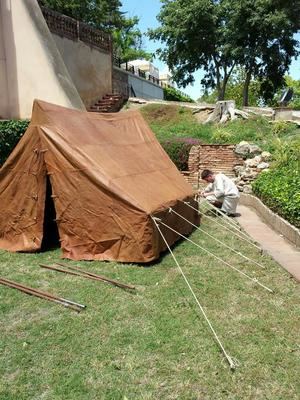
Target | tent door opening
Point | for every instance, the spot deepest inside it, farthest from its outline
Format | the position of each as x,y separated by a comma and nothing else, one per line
50,230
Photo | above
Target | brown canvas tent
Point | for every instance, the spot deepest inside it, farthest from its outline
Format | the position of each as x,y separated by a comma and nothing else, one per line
106,173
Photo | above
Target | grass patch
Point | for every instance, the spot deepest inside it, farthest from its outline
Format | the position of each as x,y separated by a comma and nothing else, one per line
172,121
153,344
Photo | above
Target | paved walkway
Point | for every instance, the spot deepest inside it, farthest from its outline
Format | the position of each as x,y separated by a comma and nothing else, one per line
272,242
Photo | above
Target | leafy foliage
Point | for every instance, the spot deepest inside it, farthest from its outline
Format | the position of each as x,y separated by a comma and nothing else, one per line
104,14
107,16
179,149
234,91
10,133
279,188
295,85
173,94
218,36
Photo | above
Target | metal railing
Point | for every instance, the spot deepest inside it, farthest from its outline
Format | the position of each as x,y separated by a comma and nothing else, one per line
135,70
70,28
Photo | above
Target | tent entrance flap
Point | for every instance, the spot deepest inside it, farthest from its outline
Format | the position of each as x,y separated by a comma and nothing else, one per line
50,230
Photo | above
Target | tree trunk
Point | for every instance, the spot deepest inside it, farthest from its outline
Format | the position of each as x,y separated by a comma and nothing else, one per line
224,111
246,89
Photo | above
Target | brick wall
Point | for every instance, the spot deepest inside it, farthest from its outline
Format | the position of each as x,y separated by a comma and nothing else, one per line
217,157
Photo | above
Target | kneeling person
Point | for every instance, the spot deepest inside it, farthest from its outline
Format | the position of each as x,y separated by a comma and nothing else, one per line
221,191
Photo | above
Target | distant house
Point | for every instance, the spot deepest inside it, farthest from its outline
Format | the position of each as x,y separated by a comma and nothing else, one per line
165,79
145,66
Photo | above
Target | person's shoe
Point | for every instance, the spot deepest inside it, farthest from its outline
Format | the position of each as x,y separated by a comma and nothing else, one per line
232,215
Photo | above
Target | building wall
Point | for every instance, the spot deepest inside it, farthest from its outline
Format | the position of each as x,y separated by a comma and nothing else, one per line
4,111
142,87
145,89
31,66
89,67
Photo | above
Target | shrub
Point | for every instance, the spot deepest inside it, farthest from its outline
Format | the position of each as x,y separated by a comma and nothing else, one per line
279,188
178,150
173,94
222,136
10,133
280,127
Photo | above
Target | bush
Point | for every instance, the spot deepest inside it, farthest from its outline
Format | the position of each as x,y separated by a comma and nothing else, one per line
178,150
279,188
222,136
10,133
173,94
280,128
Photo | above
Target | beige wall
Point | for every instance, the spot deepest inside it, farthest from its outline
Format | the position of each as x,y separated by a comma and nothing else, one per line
89,67
3,78
30,64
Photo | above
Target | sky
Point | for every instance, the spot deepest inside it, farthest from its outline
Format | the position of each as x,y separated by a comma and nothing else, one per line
147,11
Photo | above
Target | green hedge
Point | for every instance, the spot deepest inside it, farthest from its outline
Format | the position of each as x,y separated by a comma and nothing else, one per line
10,133
173,94
279,188
178,150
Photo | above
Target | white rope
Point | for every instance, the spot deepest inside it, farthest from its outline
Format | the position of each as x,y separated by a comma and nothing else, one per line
236,230
225,227
217,240
228,221
218,258
228,358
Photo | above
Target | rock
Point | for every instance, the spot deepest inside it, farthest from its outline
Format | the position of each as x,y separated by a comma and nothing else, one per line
242,148
254,149
238,169
266,156
236,180
258,158
263,165
252,162
249,176
247,189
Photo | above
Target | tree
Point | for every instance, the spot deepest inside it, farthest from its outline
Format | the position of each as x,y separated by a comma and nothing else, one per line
261,35
234,90
106,15
218,35
128,41
103,14
193,32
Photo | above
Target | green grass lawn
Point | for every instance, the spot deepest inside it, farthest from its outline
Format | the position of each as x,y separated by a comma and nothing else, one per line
152,344
172,121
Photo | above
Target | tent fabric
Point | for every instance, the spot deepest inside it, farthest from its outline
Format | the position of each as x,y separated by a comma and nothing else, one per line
108,175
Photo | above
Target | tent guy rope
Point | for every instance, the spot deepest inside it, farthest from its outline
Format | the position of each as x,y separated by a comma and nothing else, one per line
218,258
217,240
226,220
231,363
213,219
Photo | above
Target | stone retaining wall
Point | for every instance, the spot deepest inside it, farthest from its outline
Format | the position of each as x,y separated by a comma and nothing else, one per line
279,224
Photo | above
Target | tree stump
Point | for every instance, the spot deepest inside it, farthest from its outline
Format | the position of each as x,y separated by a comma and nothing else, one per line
224,111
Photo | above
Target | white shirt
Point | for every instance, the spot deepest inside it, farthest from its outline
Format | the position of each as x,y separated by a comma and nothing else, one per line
223,186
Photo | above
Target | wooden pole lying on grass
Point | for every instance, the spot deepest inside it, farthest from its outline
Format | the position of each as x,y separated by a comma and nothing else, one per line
72,270
43,295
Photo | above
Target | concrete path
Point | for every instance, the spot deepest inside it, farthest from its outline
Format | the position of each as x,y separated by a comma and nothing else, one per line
272,242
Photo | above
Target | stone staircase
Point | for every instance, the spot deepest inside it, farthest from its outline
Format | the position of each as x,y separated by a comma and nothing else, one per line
109,103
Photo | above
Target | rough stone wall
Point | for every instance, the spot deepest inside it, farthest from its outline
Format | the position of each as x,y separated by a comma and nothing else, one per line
218,158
